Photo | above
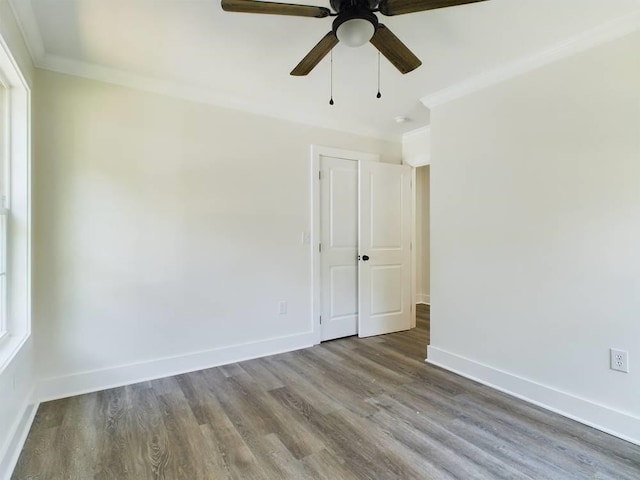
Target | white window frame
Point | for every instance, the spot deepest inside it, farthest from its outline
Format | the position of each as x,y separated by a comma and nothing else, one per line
4,184
4,331
15,207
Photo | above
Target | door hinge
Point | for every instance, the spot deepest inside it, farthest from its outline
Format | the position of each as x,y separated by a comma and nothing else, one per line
320,247
319,174
320,319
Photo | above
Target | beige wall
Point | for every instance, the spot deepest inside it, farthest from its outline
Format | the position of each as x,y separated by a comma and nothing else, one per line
535,234
422,235
167,227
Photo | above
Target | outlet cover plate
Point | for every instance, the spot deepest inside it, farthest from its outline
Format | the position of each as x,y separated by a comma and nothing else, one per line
619,360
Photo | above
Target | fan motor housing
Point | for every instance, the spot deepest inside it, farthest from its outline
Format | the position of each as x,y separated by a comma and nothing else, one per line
350,14
343,5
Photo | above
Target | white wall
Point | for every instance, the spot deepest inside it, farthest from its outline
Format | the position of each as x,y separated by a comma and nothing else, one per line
167,228
423,288
16,380
535,231
416,147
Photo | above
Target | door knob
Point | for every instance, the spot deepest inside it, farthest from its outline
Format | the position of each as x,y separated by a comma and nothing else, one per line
365,258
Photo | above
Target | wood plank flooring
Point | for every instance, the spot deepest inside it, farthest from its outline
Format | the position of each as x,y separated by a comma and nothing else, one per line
348,409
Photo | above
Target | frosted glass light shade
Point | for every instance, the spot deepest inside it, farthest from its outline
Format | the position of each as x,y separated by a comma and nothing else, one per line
355,32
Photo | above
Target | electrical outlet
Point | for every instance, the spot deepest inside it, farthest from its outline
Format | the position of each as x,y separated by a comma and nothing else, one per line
619,360
282,308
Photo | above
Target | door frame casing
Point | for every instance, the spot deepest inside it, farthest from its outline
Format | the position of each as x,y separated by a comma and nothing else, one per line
316,152
414,245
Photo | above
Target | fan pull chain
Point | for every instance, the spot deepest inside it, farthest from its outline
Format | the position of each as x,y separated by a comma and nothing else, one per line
331,79
379,94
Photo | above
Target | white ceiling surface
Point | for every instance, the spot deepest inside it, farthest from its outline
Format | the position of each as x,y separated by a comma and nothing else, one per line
245,59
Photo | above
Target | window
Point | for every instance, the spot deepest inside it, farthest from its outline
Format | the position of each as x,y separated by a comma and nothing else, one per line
15,215
4,145
3,273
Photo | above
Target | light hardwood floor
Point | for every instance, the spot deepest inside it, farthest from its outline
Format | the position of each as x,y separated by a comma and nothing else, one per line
348,409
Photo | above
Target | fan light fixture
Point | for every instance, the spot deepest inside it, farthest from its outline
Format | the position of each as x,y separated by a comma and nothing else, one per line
355,24
355,32
355,27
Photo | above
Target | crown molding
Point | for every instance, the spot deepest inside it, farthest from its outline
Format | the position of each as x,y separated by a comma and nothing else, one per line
417,161
28,25
602,34
418,132
422,137
27,22
184,91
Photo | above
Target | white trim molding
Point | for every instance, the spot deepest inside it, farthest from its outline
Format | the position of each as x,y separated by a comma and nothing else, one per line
192,93
417,161
19,431
414,243
418,132
423,299
416,147
602,34
96,380
28,24
601,417
17,194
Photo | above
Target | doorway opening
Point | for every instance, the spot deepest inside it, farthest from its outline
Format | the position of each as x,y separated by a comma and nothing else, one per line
362,214
422,248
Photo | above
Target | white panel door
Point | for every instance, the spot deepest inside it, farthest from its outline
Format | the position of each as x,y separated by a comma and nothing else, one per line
339,243
384,269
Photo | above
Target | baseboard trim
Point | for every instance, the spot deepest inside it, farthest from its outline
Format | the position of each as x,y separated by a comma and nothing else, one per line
96,380
606,419
424,299
20,430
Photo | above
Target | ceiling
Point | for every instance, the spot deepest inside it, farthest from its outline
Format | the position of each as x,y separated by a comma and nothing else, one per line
243,60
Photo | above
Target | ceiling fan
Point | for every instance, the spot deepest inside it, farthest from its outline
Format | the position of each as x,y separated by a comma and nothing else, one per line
355,24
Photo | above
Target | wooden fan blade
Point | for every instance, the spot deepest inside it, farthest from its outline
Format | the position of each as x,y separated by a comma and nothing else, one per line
273,8
396,52
400,7
316,54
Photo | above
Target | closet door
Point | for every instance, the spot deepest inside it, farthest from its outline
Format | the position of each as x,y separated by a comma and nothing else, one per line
384,248
339,243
